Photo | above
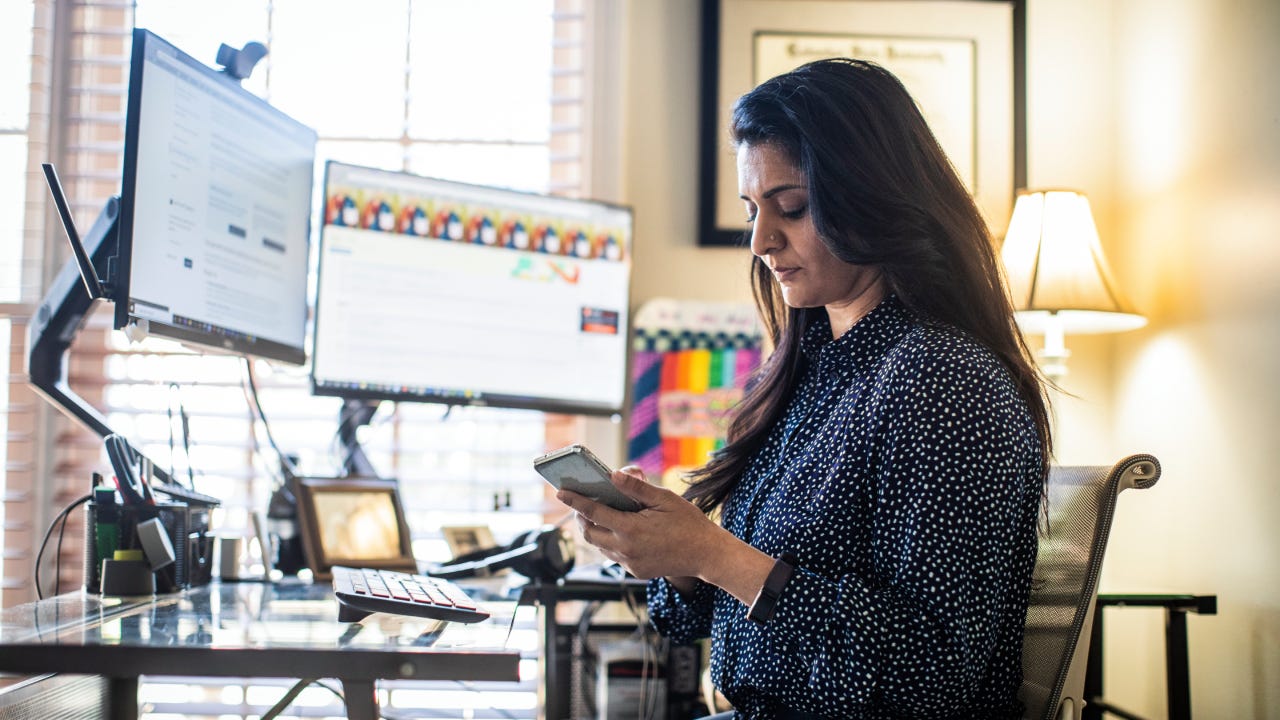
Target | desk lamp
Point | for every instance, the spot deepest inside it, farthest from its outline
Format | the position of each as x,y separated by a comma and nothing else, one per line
1058,276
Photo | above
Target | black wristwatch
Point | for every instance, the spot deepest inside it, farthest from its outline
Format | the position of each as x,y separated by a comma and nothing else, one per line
766,601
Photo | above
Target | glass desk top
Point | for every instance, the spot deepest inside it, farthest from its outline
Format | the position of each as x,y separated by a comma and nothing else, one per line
288,629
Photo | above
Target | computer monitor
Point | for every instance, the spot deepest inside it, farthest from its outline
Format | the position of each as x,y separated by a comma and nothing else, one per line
437,291
215,210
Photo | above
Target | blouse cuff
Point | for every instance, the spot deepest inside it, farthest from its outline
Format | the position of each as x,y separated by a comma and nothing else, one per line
674,615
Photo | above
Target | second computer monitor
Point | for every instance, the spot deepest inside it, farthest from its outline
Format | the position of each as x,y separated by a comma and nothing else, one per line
439,291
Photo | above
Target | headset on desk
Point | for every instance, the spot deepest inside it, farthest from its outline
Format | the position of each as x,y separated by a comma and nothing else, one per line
545,553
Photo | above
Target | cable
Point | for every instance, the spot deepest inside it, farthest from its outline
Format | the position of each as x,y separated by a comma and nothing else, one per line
48,533
335,691
172,452
186,438
302,684
590,666
469,687
285,701
57,556
649,654
277,478
285,462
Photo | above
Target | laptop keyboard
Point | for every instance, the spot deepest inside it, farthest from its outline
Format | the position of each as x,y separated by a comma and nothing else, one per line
361,591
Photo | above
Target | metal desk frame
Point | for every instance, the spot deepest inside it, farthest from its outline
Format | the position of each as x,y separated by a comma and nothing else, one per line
1177,664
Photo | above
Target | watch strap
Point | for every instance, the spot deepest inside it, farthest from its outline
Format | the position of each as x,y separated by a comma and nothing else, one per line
766,602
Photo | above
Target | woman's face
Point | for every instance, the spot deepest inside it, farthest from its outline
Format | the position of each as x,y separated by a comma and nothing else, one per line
776,195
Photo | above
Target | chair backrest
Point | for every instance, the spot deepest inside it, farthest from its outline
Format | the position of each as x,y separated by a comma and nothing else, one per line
1064,588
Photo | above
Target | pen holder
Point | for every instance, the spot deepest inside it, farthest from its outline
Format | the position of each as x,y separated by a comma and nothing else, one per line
110,527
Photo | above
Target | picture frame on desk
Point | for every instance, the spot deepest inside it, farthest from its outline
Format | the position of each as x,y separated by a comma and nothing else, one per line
962,60
353,521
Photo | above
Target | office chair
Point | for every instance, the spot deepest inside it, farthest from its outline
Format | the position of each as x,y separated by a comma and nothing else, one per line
1064,587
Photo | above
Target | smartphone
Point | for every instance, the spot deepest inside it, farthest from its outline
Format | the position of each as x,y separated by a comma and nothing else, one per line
578,469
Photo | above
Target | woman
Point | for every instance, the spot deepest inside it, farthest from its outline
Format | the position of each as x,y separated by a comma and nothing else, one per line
879,493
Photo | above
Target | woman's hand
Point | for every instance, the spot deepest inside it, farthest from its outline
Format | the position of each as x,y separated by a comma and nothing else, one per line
668,537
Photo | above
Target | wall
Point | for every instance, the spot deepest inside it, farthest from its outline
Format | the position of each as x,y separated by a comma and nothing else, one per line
1198,180
1165,114
1178,104
661,160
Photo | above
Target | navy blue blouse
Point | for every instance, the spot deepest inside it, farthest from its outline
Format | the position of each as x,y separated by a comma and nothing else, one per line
905,475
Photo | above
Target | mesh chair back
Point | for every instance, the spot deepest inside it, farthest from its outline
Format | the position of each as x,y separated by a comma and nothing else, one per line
1064,586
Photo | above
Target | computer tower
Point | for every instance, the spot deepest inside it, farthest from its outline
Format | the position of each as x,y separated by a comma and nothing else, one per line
631,681
611,680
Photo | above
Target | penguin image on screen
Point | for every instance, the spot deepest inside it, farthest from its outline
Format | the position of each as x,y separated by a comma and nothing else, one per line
342,210
514,235
480,230
447,225
578,244
413,220
545,239
609,247
378,215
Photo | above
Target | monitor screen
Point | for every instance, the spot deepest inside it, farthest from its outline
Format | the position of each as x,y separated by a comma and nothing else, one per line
215,210
439,291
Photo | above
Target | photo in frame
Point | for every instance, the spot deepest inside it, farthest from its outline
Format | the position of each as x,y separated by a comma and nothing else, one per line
962,60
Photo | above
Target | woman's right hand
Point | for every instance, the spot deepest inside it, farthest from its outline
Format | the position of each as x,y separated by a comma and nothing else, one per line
669,536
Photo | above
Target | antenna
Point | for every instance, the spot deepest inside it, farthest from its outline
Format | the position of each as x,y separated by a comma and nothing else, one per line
92,284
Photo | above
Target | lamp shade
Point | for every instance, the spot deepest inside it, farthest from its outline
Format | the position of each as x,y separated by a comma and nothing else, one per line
1056,270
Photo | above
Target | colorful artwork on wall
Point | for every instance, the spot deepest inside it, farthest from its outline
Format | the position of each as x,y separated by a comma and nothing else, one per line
690,363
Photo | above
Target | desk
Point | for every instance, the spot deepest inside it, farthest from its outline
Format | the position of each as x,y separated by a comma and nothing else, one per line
247,630
1177,665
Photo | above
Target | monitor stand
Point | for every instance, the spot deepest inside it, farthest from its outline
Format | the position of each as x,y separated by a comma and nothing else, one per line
66,306
79,286
354,414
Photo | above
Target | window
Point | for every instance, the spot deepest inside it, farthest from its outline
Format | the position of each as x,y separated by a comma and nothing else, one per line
428,86
16,20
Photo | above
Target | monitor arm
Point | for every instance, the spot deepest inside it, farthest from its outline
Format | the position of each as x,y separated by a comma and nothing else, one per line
62,313
81,283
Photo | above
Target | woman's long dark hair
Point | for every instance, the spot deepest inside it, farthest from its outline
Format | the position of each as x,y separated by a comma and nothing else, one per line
882,193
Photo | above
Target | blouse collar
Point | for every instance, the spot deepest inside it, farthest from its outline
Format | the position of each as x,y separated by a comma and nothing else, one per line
864,343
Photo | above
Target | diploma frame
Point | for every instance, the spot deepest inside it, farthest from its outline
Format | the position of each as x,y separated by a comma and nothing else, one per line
741,39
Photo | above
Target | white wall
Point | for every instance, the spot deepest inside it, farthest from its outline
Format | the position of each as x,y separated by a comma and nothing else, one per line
1197,119
1167,114
661,160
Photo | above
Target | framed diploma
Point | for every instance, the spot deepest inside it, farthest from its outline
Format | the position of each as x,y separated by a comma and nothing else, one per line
962,61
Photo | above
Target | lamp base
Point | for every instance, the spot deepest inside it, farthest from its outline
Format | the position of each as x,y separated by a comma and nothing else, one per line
1053,363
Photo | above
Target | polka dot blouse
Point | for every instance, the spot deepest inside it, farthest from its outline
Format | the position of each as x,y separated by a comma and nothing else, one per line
905,475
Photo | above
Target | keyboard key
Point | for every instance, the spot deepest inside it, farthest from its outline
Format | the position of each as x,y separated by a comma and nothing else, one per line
398,591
